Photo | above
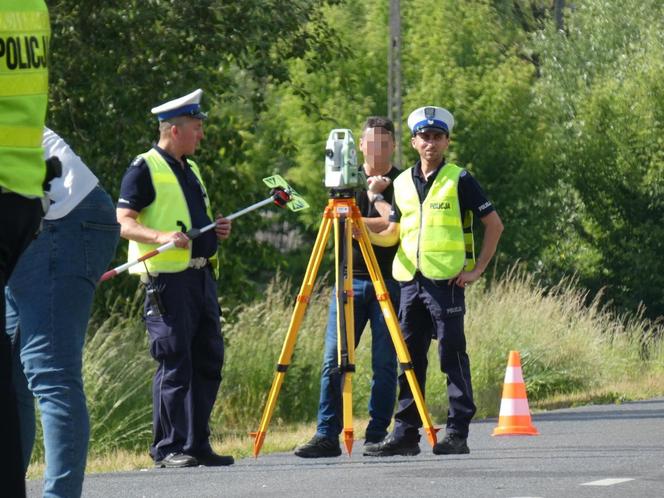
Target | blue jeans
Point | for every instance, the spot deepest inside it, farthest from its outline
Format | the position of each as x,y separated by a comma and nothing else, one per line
53,286
383,363
24,398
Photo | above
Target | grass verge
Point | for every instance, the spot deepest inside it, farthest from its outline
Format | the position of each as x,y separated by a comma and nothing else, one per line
572,352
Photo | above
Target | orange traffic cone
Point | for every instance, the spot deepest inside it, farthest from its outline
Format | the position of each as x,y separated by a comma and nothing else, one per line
514,418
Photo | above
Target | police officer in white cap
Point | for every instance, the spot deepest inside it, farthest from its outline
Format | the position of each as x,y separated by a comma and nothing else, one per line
431,220
162,197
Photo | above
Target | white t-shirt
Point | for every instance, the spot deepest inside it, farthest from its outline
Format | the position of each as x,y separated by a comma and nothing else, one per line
76,182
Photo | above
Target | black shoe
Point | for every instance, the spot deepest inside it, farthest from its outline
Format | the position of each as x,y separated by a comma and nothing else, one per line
453,444
211,459
319,447
175,460
373,439
391,446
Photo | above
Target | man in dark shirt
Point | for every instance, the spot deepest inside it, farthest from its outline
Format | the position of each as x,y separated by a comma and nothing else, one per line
377,145
162,196
434,263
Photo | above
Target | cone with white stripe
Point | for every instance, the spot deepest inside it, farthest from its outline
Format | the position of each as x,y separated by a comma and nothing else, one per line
514,418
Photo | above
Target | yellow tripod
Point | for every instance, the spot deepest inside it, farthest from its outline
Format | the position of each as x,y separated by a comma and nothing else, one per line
344,214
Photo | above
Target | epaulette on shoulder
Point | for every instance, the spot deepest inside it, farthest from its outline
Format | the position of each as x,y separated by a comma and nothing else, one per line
137,161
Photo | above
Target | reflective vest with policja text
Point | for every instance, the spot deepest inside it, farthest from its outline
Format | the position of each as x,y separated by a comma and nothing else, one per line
24,42
434,239
163,214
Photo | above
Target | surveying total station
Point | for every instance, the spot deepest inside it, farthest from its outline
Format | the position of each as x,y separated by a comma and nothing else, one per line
342,174
343,178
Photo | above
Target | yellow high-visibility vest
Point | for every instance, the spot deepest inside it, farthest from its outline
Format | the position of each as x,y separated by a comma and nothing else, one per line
432,238
168,207
24,41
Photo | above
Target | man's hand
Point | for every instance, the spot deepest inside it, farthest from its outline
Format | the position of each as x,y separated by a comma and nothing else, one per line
179,238
377,184
131,229
465,278
493,227
223,228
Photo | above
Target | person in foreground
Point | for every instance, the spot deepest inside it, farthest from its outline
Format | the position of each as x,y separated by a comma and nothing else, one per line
431,220
23,102
162,196
49,301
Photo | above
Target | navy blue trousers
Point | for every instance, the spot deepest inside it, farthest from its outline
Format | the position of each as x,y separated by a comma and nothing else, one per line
434,310
186,341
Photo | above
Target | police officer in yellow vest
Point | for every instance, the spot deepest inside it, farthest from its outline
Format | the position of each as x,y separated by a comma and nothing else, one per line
24,37
431,219
162,196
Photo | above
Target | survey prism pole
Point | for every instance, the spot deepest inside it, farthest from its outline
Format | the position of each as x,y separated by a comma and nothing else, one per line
192,234
283,195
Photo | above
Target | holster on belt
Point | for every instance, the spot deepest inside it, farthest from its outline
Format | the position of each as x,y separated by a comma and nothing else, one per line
152,292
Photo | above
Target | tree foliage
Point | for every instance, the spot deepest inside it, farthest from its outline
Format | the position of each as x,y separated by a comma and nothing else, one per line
112,62
563,128
602,86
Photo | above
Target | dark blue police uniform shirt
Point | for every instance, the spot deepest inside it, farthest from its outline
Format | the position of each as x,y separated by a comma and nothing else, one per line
137,192
471,195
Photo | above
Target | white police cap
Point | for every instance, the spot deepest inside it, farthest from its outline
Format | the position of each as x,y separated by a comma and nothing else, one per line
189,105
430,118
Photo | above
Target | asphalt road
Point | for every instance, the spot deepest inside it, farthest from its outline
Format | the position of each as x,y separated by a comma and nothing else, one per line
591,451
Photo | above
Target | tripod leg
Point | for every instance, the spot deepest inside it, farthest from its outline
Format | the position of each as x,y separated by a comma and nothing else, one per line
296,320
346,323
392,322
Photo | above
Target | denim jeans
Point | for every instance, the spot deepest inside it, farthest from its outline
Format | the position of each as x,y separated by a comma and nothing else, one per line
24,398
383,362
53,286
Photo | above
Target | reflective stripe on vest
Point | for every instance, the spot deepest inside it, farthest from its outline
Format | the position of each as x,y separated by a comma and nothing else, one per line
469,241
168,207
24,42
431,233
